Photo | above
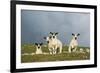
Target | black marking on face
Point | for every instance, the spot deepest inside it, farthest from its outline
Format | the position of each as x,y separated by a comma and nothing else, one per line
36,44
56,33
73,34
78,34
51,33
53,36
41,44
44,37
47,41
50,37
75,38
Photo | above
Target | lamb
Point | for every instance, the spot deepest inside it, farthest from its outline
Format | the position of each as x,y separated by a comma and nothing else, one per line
38,48
87,50
53,43
74,43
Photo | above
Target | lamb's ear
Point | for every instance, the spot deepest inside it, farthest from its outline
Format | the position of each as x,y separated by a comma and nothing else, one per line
41,43
44,37
50,37
51,33
36,43
56,33
78,34
73,34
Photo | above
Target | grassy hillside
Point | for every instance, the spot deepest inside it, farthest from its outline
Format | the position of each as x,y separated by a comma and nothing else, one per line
28,49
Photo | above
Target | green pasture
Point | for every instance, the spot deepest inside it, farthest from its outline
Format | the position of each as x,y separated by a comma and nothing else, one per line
64,56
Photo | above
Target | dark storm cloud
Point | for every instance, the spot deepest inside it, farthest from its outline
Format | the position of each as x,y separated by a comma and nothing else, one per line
37,24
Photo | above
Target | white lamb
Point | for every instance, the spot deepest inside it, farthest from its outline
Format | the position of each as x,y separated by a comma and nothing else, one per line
53,43
38,48
74,43
87,50
81,50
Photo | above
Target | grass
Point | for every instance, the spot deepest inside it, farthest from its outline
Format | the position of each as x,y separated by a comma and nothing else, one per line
30,48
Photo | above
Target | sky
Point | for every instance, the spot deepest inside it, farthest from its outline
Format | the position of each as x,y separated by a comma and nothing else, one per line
37,24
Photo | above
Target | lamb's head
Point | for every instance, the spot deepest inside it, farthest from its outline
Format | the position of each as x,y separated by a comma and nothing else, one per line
48,39
38,45
75,36
53,35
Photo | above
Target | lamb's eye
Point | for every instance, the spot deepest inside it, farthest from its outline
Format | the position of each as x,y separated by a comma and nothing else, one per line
50,37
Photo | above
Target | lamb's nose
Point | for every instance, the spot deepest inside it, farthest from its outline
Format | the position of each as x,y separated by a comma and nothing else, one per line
53,36
47,41
38,47
75,38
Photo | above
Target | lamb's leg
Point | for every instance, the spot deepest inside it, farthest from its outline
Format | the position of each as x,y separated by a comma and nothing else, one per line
41,51
54,50
69,49
75,49
50,50
60,49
